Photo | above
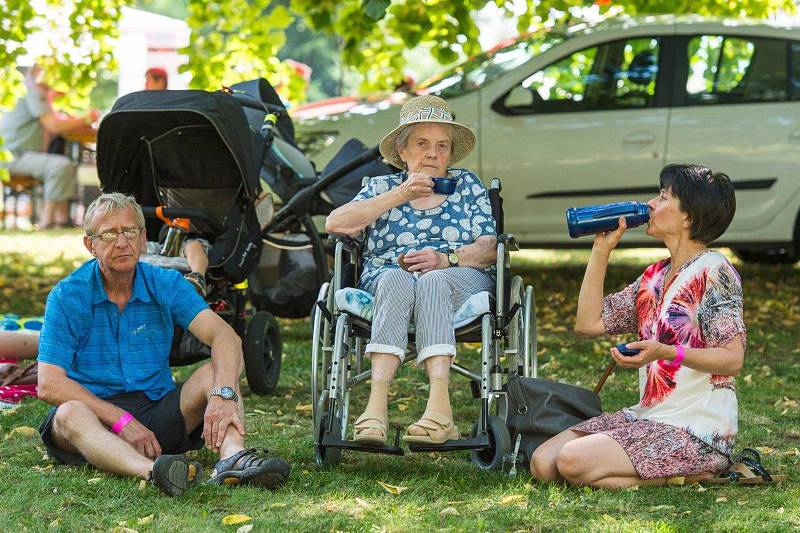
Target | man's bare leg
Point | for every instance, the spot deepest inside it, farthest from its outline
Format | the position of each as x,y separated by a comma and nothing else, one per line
194,399
77,429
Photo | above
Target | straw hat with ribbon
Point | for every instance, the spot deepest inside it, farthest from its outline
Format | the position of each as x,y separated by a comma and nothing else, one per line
428,108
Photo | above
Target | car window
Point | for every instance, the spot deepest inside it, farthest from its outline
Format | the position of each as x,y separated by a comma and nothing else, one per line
795,80
727,70
476,72
615,75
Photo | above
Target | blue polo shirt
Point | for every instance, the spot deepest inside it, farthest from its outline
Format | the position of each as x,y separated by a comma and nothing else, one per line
111,352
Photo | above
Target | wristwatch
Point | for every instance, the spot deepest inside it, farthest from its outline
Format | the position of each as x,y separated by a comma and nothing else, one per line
226,393
452,257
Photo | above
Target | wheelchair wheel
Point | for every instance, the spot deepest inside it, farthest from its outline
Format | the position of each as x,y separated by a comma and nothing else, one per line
320,358
262,353
491,458
325,456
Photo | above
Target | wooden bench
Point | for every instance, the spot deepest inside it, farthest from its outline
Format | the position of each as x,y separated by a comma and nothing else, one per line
19,185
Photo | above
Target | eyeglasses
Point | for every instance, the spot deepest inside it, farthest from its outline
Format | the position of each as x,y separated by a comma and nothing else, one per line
112,236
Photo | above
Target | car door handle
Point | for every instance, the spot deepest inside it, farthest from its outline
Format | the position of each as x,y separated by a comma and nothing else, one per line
640,137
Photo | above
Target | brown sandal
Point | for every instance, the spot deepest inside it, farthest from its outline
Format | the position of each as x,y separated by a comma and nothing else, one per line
371,420
438,426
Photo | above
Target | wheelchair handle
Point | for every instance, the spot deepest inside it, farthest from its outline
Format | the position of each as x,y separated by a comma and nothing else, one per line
185,212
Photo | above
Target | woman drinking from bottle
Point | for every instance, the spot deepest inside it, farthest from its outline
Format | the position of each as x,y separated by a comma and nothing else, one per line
687,312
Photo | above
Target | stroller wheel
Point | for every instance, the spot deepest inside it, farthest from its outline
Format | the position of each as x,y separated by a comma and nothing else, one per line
262,353
491,458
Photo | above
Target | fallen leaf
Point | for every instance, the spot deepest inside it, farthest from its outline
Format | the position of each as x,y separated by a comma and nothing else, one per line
721,499
245,528
22,431
701,488
513,498
677,480
780,510
42,469
448,511
632,487
610,519
279,412
391,489
748,379
145,520
54,524
233,519
94,480
766,450
142,484
277,506
662,507
402,407
303,408
259,411
124,530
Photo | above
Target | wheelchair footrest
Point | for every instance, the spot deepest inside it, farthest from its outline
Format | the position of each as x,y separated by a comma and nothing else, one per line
478,442
333,442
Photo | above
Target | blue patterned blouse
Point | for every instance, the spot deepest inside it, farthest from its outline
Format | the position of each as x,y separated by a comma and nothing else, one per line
464,216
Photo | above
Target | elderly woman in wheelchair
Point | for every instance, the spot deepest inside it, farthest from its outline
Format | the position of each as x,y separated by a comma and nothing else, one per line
425,254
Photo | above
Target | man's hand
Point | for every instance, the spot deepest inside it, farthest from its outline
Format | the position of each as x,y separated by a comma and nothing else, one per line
220,414
141,438
418,185
425,260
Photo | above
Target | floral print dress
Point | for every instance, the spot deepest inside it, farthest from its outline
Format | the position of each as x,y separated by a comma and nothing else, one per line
686,419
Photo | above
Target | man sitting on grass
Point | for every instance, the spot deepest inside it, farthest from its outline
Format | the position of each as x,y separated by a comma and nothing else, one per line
104,363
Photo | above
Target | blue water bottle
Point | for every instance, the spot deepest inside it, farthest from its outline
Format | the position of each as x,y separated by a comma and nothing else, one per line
593,219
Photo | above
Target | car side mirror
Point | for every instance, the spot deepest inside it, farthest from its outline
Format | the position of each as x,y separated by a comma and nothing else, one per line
519,96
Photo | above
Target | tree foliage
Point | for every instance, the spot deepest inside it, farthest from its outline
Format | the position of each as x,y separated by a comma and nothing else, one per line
73,60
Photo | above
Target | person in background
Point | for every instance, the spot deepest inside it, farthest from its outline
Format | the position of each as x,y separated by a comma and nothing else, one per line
155,79
26,129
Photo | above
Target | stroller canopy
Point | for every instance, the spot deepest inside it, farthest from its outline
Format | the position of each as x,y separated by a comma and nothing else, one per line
177,139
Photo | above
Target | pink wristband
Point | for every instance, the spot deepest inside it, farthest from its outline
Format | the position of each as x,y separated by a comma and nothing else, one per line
680,353
121,422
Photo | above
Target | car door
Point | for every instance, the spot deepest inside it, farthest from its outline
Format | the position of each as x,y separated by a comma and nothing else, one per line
737,113
588,128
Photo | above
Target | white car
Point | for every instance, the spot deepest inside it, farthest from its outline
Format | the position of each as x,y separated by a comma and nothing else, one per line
591,116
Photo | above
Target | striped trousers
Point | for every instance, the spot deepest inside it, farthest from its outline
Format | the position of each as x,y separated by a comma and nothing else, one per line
431,299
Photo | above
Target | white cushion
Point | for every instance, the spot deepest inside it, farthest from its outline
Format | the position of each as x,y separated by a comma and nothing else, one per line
360,303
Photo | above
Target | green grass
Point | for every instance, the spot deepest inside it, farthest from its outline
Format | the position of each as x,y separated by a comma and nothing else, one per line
444,491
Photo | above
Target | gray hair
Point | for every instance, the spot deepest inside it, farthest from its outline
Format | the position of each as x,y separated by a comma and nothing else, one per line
106,203
402,138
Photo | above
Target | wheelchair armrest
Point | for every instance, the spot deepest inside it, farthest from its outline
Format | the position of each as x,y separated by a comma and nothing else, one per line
348,243
509,240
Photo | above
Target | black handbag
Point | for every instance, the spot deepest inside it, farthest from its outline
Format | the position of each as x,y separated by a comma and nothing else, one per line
539,409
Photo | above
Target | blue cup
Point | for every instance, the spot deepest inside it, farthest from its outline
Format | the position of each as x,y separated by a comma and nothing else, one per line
444,185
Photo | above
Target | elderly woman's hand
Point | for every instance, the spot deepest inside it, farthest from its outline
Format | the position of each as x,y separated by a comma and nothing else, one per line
650,351
424,260
418,185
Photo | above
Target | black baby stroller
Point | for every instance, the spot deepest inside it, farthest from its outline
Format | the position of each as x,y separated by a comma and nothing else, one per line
193,160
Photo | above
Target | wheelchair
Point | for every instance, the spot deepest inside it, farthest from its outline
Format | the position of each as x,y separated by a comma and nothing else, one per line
506,330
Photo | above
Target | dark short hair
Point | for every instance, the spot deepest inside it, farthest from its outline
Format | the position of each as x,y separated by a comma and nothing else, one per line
707,197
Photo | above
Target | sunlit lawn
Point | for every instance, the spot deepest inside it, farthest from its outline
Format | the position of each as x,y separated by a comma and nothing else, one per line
443,491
